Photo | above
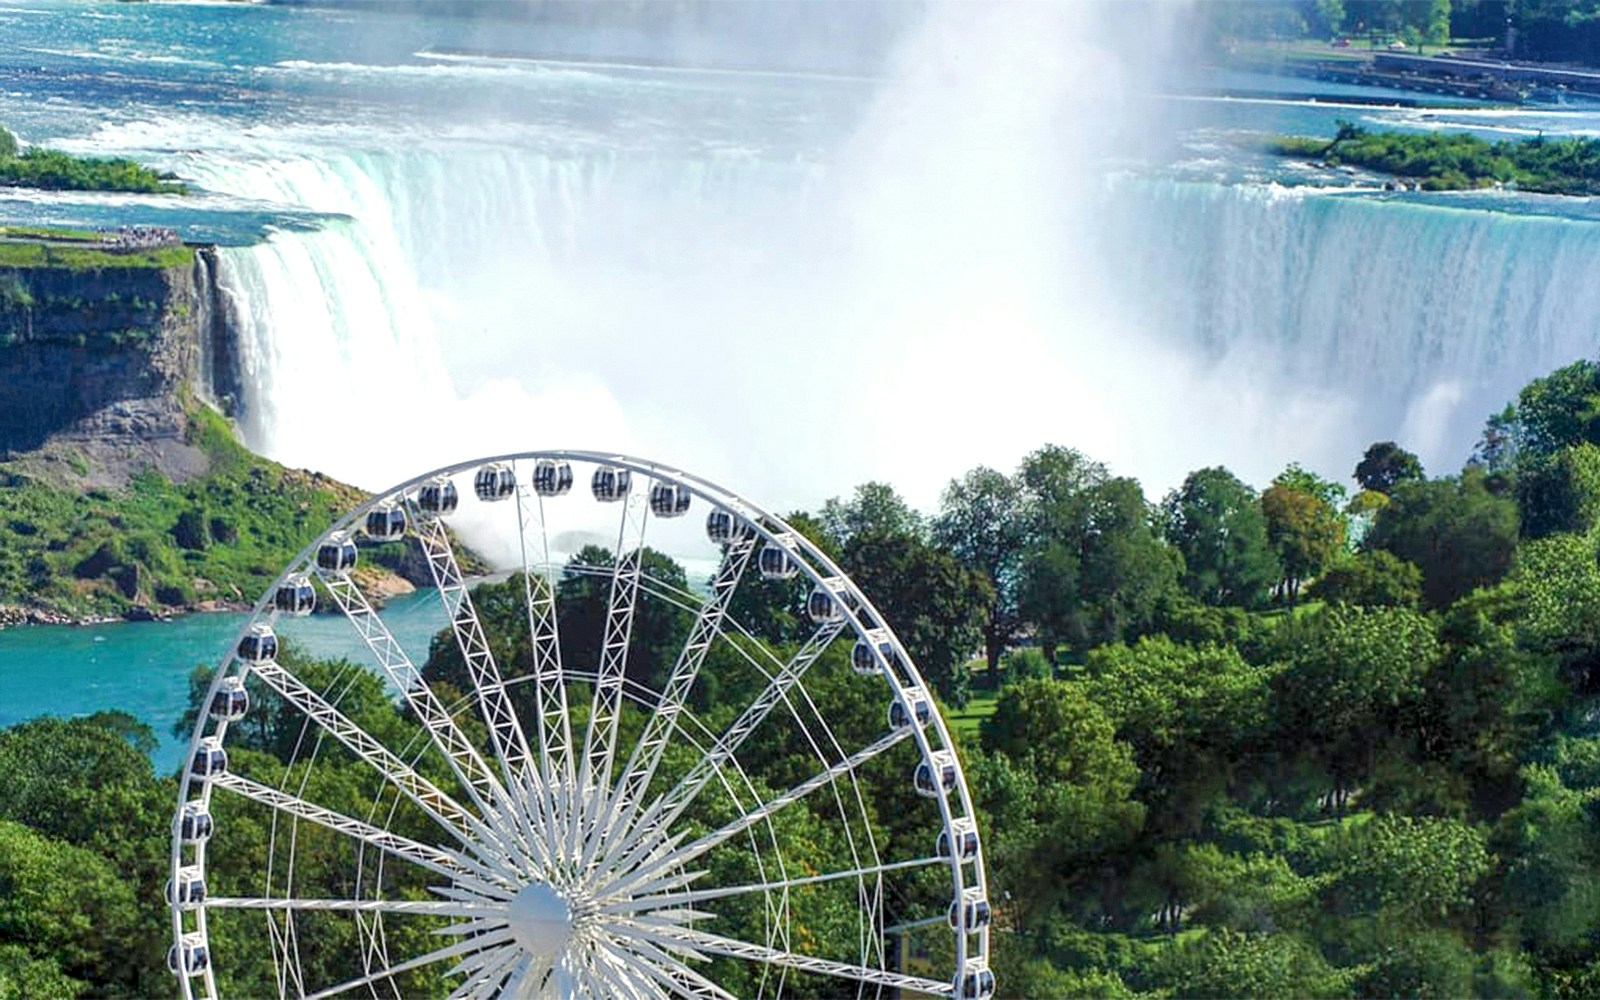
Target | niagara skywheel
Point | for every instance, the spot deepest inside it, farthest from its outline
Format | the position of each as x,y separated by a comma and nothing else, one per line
601,771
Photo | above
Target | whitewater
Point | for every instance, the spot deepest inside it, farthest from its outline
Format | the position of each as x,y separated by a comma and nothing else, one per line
798,282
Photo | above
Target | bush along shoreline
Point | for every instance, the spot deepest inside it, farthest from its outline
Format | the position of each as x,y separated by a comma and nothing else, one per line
1456,161
53,170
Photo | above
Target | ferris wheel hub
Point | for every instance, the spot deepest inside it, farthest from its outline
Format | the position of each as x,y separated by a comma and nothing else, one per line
540,919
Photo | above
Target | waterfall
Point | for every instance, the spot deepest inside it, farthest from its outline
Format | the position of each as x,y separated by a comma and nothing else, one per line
777,321
1421,318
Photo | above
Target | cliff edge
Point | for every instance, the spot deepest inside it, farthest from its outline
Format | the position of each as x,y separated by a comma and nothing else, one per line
102,365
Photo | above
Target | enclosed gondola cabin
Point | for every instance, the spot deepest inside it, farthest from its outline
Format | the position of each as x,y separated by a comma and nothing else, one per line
976,984
862,659
724,527
823,608
296,597
775,561
494,481
610,483
945,766
966,840
188,889
231,702
336,556
210,759
669,499
259,645
386,521
190,956
552,477
971,912
922,711
194,824
438,498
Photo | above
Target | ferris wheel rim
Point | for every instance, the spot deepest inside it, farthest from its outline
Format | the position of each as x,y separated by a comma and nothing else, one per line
931,737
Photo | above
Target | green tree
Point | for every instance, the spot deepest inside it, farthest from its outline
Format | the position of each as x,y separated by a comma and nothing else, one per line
70,906
1352,676
8,144
1560,491
1306,532
1096,571
1385,465
935,605
1215,522
1436,29
1419,870
874,509
1056,483
983,522
583,596
1459,533
1059,787
1231,965
1559,410
1374,578
1193,715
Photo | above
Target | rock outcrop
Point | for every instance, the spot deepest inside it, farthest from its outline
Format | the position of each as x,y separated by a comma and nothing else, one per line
99,367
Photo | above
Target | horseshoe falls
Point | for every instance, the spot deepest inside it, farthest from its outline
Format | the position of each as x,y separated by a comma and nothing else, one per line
735,313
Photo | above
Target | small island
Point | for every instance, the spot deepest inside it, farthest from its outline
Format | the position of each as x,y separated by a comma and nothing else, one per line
1456,161
53,170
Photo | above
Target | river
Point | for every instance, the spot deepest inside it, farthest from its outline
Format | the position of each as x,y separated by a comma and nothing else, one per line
143,668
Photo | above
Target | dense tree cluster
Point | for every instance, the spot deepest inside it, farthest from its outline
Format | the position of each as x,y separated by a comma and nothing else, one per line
1232,744
53,170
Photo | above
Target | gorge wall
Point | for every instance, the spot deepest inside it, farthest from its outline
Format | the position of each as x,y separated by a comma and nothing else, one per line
99,367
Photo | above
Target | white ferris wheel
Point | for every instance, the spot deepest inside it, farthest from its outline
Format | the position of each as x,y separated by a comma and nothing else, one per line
575,812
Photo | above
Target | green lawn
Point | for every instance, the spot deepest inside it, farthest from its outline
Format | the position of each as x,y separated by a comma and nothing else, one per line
966,721
32,254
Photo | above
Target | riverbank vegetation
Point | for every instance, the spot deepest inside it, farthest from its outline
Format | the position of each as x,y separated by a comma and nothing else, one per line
53,170
1316,740
1549,30
159,544
1441,161
75,255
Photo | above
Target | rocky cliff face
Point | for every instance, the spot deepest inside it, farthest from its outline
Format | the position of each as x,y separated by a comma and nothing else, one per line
98,367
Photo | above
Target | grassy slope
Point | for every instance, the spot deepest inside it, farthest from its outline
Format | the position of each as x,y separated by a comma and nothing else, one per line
223,536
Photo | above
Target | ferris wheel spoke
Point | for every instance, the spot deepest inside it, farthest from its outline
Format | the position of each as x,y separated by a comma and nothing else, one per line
665,810
427,796
667,968
483,972
554,726
519,986
505,731
470,769
600,741
483,943
444,862
659,729
642,903
429,907
715,944
680,856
